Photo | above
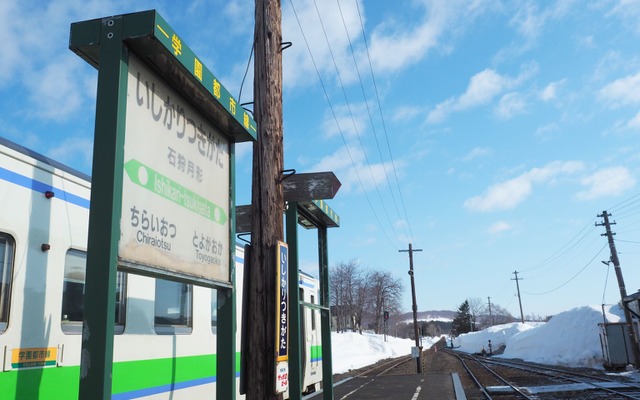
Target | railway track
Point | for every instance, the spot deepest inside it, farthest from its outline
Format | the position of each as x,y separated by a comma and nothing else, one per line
486,378
506,380
396,366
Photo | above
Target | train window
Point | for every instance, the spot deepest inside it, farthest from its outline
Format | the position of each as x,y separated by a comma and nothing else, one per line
313,314
173,307
214,311
75,267
7,246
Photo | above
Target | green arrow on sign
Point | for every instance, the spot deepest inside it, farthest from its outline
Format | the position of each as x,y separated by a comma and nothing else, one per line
159,184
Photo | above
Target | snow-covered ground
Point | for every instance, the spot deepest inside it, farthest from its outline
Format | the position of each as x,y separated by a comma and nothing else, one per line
352,350
570,338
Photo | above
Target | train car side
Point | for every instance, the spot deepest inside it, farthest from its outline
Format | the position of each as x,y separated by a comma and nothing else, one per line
165,342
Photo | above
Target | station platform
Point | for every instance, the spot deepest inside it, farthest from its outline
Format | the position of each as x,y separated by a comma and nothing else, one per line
401,387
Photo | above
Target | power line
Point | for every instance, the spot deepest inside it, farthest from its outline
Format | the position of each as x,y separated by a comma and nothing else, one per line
373,126
326,94
566,248
355,126
384,125
572,278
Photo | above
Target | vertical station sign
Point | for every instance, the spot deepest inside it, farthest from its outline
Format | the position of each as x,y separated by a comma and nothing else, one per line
282,317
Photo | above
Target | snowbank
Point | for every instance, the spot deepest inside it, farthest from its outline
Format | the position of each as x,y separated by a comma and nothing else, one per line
570,338
352,350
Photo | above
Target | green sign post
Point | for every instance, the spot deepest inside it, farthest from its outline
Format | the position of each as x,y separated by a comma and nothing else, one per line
163,177
311,214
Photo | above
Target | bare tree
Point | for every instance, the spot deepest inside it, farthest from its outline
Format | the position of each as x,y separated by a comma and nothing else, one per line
345,282
476,308
501,315
361,298
386,294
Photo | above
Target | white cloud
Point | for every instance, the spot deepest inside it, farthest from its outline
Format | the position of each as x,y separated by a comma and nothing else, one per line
623,91
352,121
551,90
509,194
629,12
298,66
482,89
530,21
634,123
405,113
352,170
410,44
511,104
36,58
73,148
392,45
547,131
477,153
499,227
606,182
60,95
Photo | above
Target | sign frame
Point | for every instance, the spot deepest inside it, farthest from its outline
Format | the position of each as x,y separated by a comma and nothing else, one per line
106,44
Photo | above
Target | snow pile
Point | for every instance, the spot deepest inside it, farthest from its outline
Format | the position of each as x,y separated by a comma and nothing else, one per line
499,335
350,350
570,338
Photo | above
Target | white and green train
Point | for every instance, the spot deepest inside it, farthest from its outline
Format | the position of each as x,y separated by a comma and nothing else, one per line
165,344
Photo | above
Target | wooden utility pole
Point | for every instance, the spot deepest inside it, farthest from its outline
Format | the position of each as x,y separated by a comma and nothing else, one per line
267,201
414,306
519,298
623,290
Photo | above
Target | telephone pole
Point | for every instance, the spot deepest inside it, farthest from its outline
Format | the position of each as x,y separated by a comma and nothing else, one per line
623,290
267,201
415,306
490,315
519,299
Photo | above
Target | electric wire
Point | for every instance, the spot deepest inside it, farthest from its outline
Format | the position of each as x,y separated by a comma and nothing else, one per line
326,94
384,125
246,71
355,126
627,241
373,125
567,247
615,207
571,259
606,279
572,278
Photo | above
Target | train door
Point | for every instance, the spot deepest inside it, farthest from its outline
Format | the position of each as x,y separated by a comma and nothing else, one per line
303,334
314,345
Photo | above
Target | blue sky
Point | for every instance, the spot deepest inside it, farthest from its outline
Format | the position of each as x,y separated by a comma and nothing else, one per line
487,133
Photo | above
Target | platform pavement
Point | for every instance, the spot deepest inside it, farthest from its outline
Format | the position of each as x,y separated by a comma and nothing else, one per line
401,387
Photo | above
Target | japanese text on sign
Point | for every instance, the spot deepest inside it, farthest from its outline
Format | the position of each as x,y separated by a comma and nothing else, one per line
176,183
33,357
282,297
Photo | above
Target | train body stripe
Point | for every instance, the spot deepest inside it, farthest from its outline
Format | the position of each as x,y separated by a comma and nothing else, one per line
160,376
316,353
163,389
41,187
307,284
